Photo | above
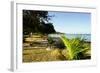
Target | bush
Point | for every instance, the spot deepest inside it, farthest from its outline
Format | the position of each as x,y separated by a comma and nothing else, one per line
59,44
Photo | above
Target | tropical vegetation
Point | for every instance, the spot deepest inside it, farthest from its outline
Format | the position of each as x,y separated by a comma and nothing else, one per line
74,47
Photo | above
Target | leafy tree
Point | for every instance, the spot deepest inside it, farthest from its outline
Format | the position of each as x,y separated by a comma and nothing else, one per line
37,22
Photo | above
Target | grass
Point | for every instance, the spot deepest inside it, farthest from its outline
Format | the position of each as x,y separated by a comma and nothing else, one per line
37,55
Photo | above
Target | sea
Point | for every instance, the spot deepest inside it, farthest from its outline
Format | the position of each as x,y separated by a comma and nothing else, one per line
87,37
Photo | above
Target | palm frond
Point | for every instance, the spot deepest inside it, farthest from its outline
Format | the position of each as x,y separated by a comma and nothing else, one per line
73,46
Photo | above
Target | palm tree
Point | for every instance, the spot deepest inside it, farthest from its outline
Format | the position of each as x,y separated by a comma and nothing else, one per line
74,47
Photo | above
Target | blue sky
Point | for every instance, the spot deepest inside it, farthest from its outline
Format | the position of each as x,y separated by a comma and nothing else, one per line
71,22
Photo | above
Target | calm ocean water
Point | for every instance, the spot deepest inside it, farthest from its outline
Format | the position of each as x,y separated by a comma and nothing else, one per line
87,37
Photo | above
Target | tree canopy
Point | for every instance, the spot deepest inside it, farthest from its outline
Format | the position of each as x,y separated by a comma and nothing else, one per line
37,22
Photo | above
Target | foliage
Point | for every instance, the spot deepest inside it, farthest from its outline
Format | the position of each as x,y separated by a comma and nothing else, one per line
50,41
59,44
37,22
74,47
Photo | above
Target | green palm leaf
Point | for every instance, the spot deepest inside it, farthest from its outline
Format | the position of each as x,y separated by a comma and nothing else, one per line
73,46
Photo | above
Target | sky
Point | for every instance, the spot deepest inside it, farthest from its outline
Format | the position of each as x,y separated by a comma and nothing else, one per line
71,22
